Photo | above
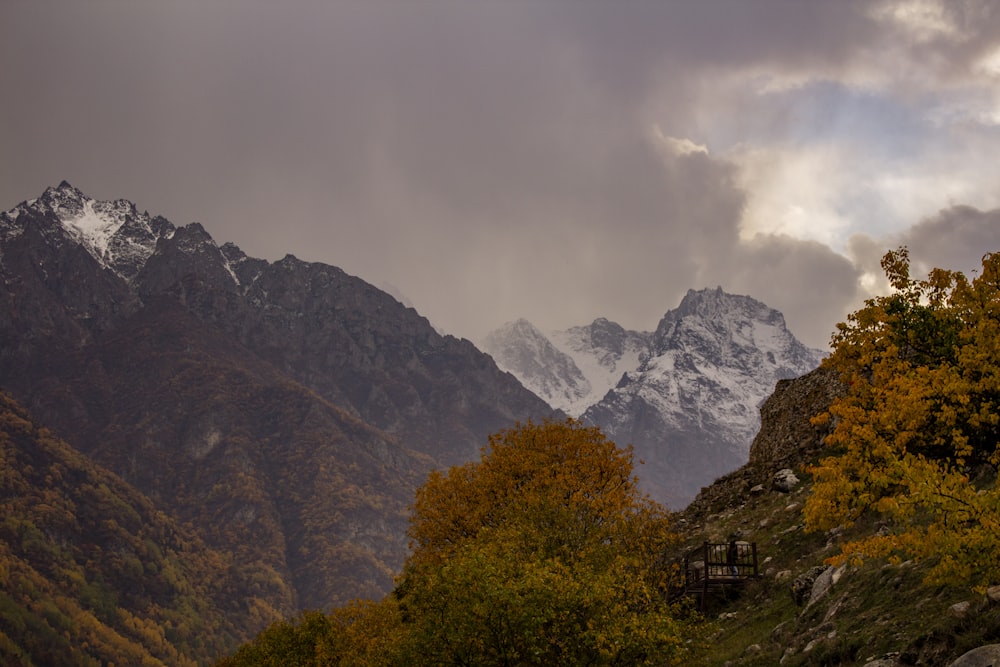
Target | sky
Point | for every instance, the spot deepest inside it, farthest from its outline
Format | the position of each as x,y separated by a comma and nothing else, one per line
557,160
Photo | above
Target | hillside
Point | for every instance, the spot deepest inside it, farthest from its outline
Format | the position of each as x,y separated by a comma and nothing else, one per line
91,573
875,614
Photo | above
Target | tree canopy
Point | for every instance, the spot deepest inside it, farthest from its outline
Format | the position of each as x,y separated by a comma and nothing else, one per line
915,436
544,552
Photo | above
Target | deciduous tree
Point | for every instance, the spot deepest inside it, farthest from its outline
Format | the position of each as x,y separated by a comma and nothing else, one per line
544,552
916,435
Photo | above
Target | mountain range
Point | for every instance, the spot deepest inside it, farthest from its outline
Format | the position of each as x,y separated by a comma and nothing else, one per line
685,396
266,424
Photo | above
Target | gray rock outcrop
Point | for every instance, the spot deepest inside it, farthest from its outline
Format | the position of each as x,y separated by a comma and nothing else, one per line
787,435
802,587
984,656
785,480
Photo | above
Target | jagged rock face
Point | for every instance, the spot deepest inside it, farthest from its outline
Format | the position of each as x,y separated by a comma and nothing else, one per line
113,233
604,350
286,409
521,349
571,369
787,435
787,439
691,407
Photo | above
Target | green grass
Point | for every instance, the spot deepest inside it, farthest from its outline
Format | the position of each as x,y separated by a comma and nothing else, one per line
874,610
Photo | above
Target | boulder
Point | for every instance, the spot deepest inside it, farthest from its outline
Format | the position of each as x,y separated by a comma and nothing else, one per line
821,586
959,609
785,480
887,660
984,656
802,587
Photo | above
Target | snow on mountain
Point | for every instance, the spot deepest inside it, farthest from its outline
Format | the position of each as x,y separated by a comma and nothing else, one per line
115,234
691,408
570,369
522,350
603,351
686,397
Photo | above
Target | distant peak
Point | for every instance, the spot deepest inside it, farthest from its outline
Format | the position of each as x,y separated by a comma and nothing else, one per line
519,328
694,300
706,292
520,324
63,199
66,188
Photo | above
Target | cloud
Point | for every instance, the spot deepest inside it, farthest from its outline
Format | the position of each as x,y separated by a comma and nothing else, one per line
676,146
956,239
810,283
556,160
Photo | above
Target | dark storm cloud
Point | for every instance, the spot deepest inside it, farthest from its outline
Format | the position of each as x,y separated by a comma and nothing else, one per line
956,238
493,160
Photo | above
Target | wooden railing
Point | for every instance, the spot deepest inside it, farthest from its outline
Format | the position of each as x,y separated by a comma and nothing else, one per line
713,567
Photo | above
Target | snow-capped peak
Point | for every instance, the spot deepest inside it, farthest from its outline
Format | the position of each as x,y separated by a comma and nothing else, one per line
94,228
519,348
686,397
691,407
118,236
571,369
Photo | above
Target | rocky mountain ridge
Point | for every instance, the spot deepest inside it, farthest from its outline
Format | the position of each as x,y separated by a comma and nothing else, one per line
287,410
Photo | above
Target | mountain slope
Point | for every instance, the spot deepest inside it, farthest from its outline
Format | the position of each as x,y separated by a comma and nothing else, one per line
521,349
286,409
92,573
604,351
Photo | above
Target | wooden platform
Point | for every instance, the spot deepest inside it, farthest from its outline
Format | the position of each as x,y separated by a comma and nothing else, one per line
714,567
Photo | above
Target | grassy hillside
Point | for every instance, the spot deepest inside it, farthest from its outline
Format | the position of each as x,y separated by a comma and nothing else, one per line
873,610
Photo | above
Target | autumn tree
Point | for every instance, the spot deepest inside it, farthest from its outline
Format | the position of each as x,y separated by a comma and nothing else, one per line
544,552
359,634
916,435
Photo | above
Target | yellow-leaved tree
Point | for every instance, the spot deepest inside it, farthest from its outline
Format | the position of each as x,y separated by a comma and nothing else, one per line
916,434
543,553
